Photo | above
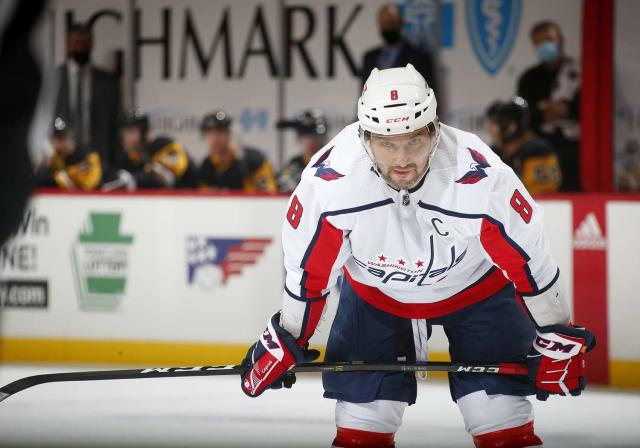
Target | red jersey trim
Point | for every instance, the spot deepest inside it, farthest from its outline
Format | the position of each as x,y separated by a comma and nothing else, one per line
321,257
492,282
503,253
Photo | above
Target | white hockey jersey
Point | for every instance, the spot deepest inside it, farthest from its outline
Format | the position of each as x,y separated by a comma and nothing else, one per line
466,231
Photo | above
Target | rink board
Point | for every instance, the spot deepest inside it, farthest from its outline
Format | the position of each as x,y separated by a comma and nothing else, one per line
189,279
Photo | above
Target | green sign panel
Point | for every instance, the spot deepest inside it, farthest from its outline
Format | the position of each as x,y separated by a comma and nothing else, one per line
100,260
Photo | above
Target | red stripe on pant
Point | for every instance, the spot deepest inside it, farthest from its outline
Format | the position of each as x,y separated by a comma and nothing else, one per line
349,438
519,437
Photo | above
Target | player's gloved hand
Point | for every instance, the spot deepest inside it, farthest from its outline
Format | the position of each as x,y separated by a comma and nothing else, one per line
124,180
556,361
269,359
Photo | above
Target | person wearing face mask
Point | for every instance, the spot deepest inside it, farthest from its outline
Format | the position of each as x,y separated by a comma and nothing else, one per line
397,51
87,97
552,90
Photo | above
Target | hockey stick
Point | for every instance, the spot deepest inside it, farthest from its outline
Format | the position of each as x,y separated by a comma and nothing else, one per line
353,366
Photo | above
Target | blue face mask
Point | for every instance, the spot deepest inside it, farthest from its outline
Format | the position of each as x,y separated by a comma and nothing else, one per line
549,52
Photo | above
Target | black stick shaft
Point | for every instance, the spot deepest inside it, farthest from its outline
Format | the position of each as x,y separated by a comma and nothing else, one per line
168,372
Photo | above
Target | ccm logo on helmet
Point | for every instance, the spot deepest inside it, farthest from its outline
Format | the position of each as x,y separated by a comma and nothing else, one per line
397,120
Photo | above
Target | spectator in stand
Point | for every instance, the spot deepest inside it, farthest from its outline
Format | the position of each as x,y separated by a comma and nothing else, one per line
311,127
531,157
70,166
147,161
228,166
397,51
552,90
87,97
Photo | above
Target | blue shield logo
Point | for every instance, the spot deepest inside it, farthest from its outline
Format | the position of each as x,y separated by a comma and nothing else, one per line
493,26
419,22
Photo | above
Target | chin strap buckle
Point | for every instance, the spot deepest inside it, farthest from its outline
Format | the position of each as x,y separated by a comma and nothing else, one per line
406,200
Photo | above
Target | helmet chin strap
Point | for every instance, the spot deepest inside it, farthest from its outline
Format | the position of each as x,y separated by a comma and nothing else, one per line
374,163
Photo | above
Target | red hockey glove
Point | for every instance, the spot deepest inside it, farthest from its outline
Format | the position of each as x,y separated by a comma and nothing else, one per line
556,361
269,359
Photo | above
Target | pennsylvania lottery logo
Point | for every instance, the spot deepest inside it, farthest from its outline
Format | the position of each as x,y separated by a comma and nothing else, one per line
212,261
100,259
493,27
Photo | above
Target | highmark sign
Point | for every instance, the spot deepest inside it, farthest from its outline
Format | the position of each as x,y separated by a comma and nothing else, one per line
100,261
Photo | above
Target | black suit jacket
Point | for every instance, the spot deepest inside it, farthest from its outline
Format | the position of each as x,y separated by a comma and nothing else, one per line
422,61
104,109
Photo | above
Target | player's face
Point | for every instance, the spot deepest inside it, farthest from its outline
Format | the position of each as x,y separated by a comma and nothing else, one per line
402,159
217,140
62,145
132,138
494,132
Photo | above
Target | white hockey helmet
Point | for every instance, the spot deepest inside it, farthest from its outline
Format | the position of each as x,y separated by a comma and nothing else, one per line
397,101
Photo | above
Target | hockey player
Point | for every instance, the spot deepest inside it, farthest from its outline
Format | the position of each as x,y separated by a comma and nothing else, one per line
430,228
311,127
228,166
70,166
531,157
149,161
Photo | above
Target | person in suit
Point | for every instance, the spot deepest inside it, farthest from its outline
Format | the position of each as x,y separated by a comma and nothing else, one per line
87,97
397,51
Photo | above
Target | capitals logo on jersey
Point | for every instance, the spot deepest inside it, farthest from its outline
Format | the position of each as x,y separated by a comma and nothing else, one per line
211,261
323,170
477,172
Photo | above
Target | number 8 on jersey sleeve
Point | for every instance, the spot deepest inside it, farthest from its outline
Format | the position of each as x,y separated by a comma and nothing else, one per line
294,214
520,205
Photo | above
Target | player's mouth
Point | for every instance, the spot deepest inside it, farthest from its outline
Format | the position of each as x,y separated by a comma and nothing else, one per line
402,171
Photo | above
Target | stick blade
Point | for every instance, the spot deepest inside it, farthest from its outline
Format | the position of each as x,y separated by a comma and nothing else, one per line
17,386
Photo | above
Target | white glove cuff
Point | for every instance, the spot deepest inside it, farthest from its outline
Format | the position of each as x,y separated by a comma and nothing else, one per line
549,307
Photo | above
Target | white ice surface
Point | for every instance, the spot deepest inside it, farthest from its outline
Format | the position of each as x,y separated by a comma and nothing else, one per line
212,412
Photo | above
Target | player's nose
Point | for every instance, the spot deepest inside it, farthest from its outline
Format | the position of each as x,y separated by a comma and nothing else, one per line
403,157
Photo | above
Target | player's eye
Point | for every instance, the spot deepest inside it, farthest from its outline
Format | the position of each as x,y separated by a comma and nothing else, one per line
415,141
386,144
